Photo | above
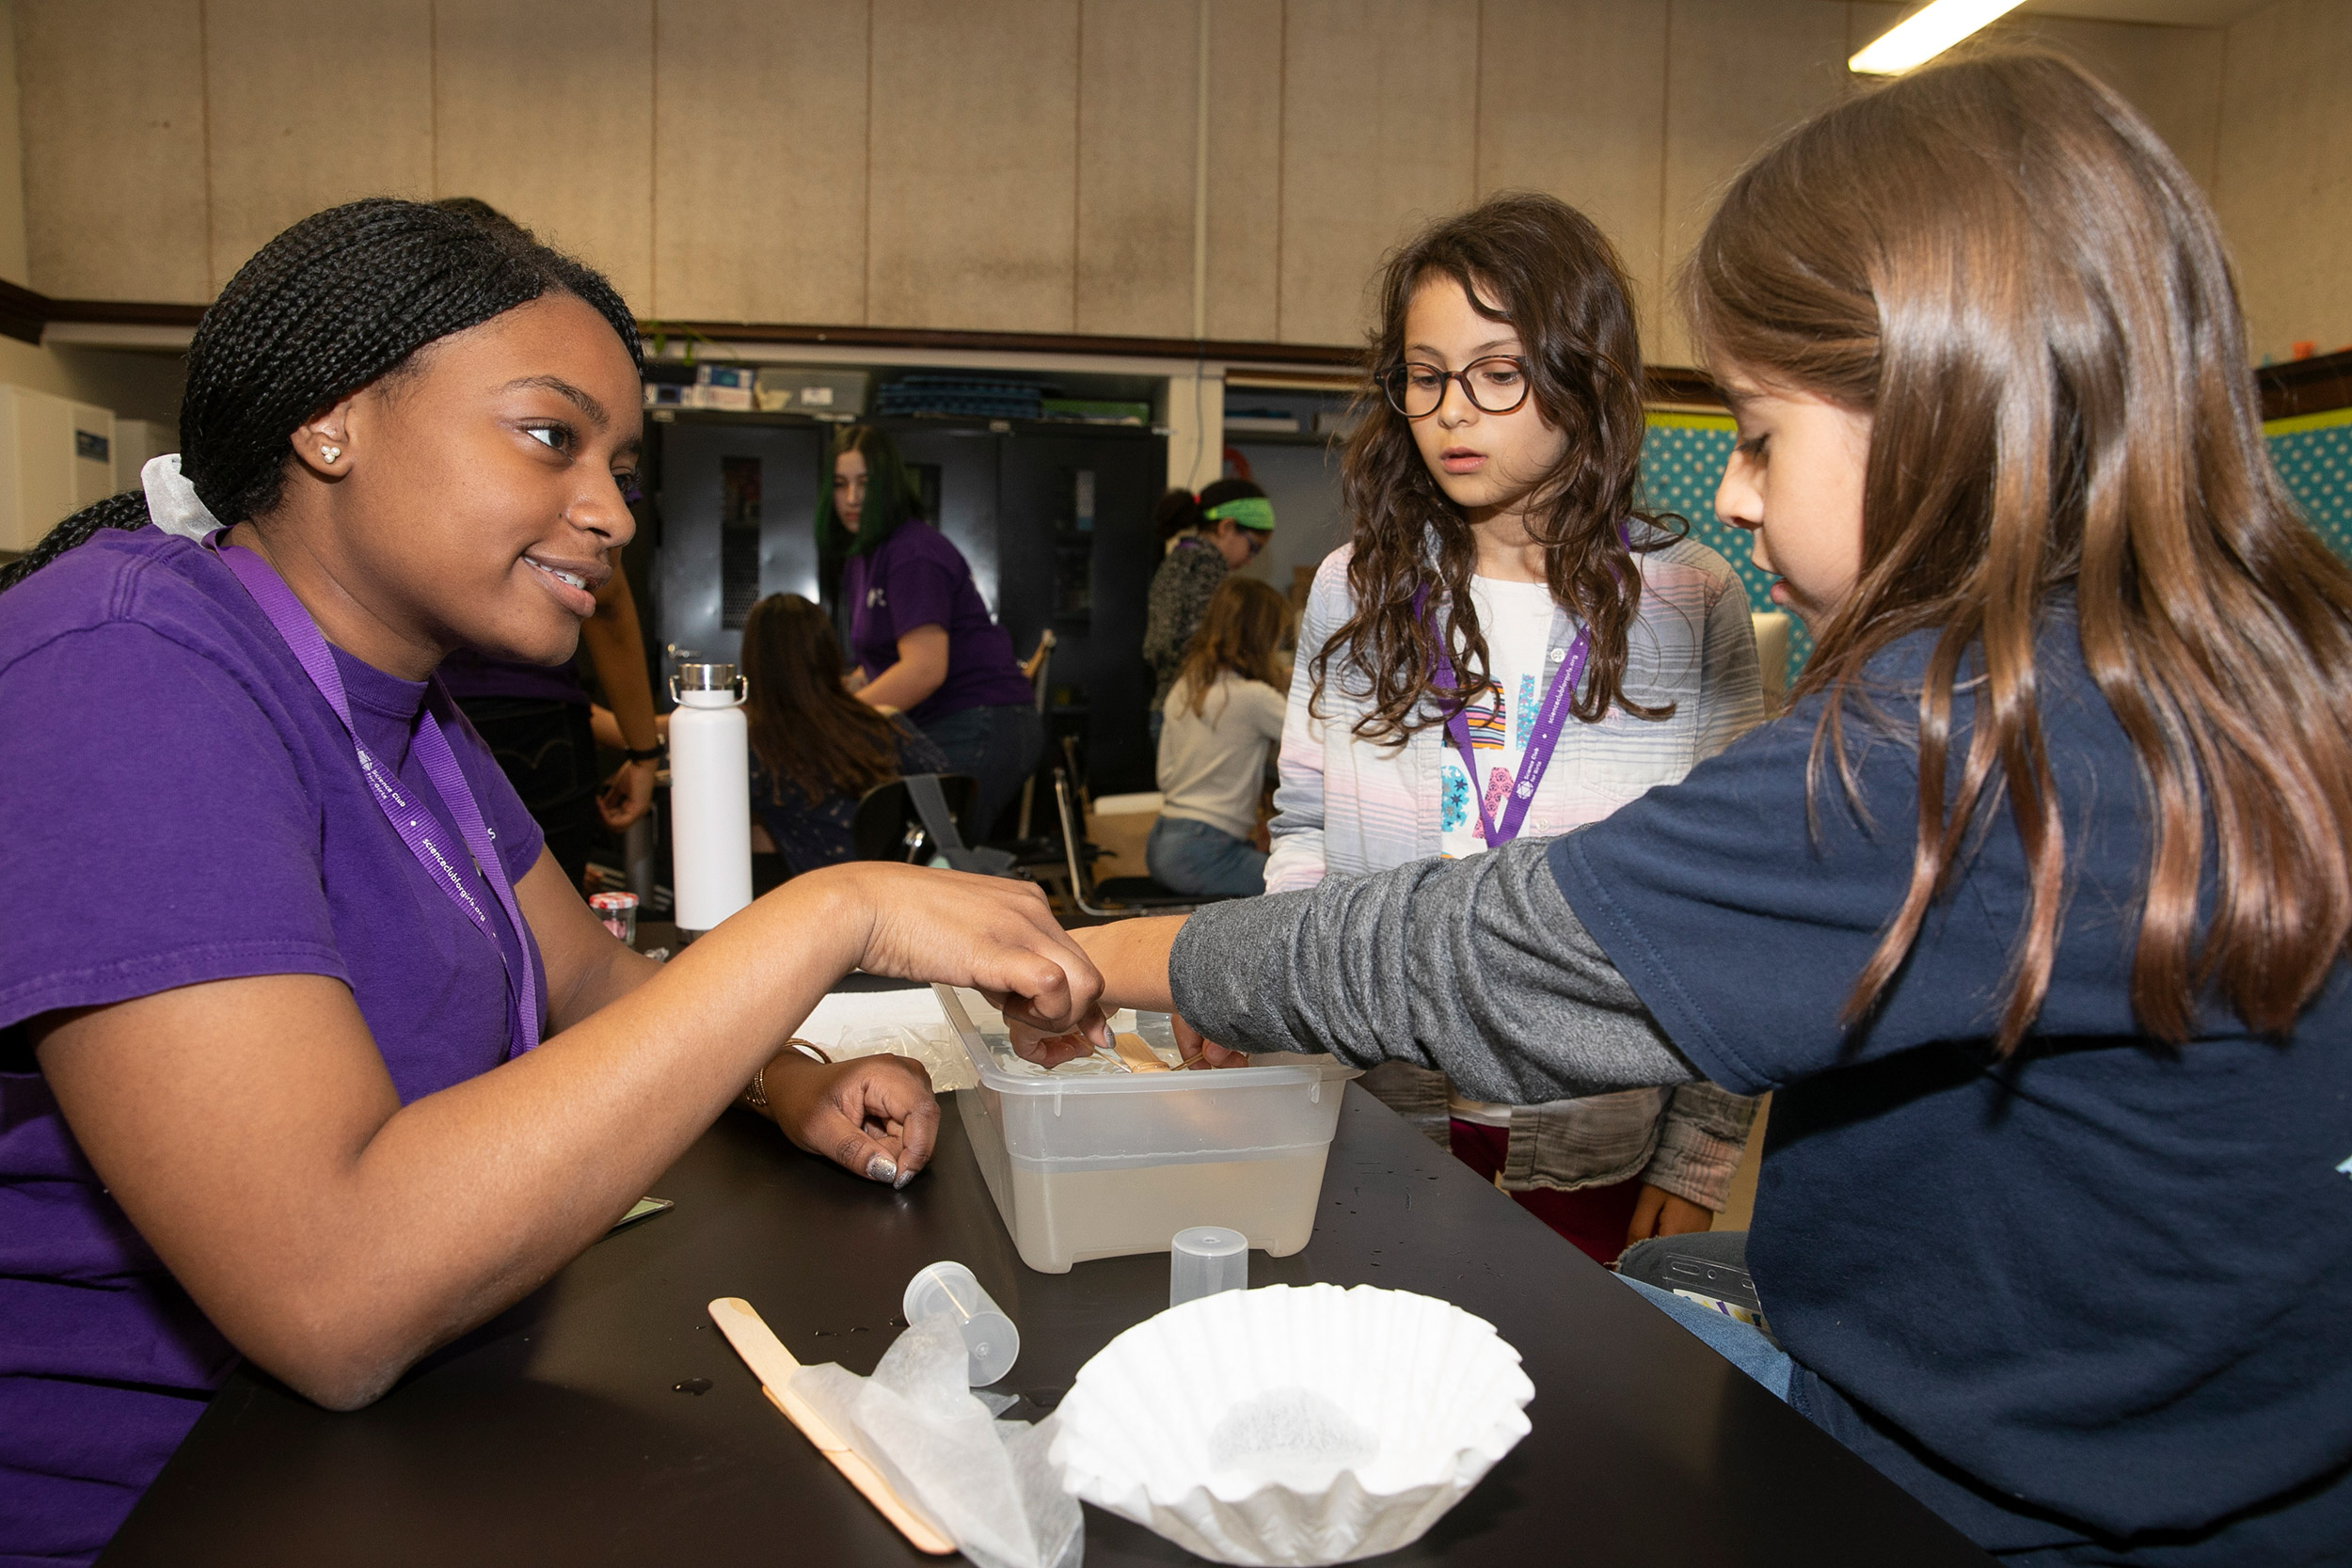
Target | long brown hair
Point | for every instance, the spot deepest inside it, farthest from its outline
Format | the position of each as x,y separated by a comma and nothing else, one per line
1556,280
807,730
2001,263
1241,631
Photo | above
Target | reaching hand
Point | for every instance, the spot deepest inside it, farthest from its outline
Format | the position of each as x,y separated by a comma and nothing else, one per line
1049,1049
993,935
874,1116
1659,1212
1200,1052
628,794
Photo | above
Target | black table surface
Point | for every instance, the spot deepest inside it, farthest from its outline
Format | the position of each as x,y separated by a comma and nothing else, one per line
605,1420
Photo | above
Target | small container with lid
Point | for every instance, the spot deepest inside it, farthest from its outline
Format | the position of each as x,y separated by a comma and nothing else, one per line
618,910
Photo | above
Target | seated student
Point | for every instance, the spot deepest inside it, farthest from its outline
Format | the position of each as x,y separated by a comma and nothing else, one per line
816,750
312,1055
1219,530
922,637
2033,912
1224,714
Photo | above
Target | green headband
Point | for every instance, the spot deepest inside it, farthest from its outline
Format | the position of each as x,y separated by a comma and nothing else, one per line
1251,511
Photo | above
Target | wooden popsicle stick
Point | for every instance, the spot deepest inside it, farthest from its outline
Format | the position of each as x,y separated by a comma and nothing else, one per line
1138,1056
774,1366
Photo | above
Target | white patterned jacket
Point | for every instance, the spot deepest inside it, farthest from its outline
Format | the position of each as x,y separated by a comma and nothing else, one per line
1346,807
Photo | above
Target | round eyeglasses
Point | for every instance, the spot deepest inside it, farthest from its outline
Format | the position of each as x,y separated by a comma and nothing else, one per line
1496,385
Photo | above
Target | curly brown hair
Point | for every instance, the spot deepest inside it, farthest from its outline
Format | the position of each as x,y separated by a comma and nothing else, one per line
1540,265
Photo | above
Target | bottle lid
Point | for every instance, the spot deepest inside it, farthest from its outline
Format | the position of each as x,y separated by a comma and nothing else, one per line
704,677
604,903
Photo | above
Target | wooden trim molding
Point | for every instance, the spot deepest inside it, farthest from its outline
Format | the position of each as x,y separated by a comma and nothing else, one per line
2298,387
2312,386
23,312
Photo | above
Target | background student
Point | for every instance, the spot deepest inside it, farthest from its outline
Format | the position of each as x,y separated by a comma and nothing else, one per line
2034,909
1221,529
1224,713
1498,570
281,1080
816,750
919,630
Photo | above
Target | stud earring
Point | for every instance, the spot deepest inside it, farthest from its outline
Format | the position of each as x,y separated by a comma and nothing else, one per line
330,454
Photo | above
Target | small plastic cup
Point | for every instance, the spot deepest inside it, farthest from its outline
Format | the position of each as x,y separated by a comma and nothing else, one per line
990,1340
1205,1259
618,910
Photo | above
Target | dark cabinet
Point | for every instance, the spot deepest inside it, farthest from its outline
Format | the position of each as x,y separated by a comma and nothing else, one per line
1055,521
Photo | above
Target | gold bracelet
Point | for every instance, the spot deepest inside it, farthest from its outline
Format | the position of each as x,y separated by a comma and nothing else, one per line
755,1095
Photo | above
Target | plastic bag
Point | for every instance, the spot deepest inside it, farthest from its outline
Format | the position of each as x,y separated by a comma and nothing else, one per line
985,1481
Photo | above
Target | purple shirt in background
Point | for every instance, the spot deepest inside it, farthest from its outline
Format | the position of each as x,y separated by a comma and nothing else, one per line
917,578
187,808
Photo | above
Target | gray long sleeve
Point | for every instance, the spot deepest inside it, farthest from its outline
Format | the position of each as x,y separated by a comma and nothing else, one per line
1475,967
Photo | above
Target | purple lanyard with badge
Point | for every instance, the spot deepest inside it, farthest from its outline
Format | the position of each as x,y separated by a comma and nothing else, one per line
1551,719
415,825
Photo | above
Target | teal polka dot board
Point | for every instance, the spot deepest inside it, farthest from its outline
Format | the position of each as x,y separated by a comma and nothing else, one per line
2314,454
1682,459
1683,456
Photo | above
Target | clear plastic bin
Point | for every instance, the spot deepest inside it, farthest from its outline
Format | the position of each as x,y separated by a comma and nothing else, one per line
1107,1163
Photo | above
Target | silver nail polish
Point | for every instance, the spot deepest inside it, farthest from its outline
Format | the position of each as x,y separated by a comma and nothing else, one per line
881,1168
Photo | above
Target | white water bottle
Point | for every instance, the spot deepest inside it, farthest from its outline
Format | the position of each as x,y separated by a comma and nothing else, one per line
710,796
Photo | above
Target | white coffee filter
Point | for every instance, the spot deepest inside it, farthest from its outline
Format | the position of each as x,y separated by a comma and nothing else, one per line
1293,1425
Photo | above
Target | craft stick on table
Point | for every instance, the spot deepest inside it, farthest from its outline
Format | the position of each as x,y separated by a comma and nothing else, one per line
774,1365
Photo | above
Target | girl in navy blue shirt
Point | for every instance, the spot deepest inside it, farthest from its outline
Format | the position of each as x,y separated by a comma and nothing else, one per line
2032,912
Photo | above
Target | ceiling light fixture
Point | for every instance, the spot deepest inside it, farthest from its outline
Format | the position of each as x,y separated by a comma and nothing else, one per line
1925,34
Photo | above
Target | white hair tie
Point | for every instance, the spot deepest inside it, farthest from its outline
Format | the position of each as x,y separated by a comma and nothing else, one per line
171,501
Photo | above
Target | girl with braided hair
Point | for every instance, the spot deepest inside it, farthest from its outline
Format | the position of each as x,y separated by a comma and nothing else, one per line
316,1057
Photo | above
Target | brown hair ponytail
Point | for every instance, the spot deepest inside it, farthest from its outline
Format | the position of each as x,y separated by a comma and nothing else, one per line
2002,265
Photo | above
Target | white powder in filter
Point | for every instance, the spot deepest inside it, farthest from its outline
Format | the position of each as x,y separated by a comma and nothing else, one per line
1292,1437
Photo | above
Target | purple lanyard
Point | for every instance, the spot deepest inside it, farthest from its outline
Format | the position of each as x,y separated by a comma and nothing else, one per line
1550,719
415,826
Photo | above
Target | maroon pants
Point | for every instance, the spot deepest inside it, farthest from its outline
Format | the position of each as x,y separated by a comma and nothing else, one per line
1594,1218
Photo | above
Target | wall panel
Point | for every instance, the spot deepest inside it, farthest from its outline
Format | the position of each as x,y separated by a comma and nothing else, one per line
759,161
1572,101
1379,136
113,106
1737,72
549,118
289,131
1245,170
2170,74
1138,64
973,153
2285,173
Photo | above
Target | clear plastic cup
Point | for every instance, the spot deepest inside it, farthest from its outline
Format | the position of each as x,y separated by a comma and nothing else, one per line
1205,1259
618,910
990,1340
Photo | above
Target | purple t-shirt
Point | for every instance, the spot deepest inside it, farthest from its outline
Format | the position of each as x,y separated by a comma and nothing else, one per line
189,809
917,578
471,676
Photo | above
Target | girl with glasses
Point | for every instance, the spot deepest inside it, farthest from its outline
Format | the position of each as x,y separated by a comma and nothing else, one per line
1508,648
